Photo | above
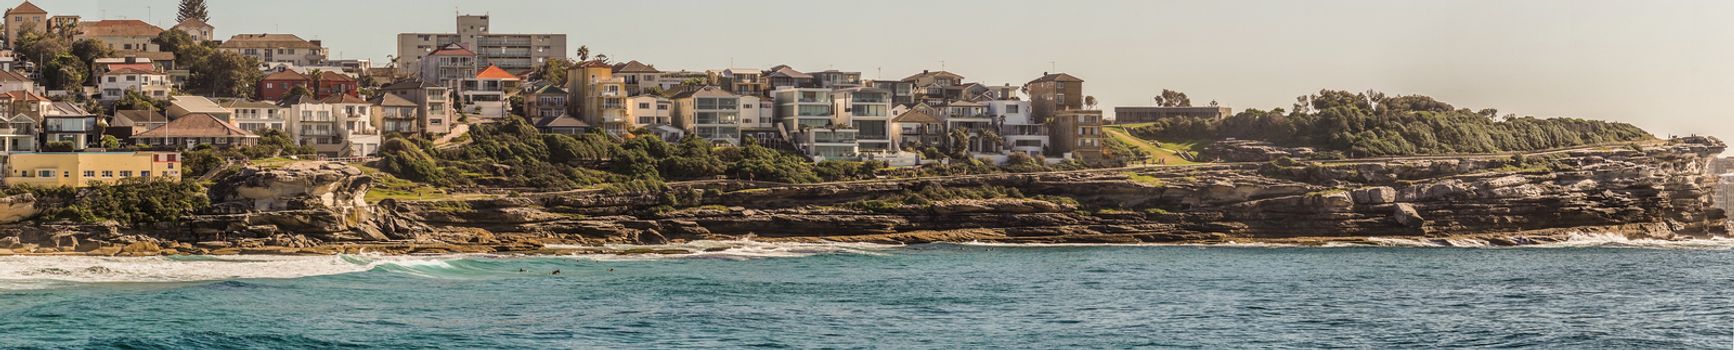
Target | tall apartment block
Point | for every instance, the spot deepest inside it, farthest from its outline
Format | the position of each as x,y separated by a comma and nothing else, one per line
516,53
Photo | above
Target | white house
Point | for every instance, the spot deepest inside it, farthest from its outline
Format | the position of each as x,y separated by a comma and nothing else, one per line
647,110
13,81
255,116
1017,126
114,84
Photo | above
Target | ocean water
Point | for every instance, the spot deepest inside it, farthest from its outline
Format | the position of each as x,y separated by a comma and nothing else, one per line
1589,294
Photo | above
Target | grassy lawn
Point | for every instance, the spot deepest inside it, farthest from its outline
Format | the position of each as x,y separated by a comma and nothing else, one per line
272,163
386,187
1162,152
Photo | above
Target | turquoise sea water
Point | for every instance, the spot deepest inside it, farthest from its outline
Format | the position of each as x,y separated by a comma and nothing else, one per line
926,296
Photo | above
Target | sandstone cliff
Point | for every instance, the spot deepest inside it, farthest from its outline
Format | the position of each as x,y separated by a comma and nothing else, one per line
1659,191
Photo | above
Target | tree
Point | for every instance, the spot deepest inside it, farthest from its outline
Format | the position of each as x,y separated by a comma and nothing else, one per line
89,50
299,90
64,72
110,142
135,100
212,72
584,52
553,71
1090,102
38,47
1171,98
193,9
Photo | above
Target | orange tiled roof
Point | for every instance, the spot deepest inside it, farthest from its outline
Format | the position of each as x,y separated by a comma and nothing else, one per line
494,72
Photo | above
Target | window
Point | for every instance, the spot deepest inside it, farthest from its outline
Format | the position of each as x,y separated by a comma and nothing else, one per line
111,79
145,173
1011,108
45,173
126,173
90,173
108,173
644,105
132,78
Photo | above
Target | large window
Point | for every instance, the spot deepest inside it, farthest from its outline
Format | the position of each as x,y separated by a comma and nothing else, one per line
868,110
724,103
871,130
815,111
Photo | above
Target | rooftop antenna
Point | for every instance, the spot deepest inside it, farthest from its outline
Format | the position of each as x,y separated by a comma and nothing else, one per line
941,64
881,72
1053,67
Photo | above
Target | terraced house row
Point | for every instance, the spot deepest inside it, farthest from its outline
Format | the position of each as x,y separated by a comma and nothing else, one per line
438,83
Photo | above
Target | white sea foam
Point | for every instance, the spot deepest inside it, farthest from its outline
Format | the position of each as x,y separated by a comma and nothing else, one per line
1574,240
729,250
1230,244
31,272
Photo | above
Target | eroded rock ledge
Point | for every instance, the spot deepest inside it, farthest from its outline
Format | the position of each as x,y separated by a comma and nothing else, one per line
1661,191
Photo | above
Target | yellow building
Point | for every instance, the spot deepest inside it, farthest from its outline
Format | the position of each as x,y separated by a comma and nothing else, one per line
79,169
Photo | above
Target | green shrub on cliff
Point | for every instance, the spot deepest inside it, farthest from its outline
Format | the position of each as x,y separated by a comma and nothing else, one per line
131,202
405,159
1371,124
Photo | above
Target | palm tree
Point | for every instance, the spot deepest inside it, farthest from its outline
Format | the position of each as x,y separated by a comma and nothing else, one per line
583,53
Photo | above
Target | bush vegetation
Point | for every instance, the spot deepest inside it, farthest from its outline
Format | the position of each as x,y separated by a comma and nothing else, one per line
1371,124
514,154
130,202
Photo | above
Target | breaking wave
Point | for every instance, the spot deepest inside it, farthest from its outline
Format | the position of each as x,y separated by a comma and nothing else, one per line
36,272
1575,240
724,250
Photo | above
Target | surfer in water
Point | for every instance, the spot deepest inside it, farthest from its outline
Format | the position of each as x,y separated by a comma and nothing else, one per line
556,272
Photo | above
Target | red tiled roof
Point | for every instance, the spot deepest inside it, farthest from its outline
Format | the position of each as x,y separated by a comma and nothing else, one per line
27,7
22,95
494,72
334,76
130,70
286,75
259,41
195,125
118,27
344,99
13,76
193,22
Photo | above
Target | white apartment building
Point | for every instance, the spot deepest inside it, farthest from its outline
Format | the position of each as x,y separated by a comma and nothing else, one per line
811,118
114,84
488,93
255,116
971,118
647,110
868,110
711,113
269,48
512,52
1018,127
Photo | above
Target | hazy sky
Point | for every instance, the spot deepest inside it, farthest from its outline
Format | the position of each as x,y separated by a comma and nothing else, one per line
1667,66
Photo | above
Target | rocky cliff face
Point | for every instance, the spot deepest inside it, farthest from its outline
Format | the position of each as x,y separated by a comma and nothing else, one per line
1660,191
